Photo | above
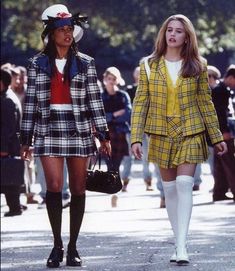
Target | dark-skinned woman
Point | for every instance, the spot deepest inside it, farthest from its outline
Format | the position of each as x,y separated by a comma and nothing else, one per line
63,113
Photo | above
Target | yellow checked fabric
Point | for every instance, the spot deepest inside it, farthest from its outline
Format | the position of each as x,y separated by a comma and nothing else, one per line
172,107
150,105
175,149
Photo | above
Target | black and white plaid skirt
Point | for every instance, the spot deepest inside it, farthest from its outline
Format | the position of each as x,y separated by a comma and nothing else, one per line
63,139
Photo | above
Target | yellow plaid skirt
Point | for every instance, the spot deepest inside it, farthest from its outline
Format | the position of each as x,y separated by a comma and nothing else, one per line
175,149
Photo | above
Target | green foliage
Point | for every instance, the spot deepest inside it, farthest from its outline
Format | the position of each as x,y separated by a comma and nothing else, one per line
134,23
128,27
21,22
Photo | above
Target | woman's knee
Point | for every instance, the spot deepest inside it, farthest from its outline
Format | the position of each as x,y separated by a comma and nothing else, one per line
54,186
77,191
77,188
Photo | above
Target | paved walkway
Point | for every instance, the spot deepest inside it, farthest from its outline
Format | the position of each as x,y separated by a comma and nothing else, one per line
134,236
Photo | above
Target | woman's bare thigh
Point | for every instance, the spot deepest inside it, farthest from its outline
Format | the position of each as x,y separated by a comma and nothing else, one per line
53,169
186,169
168,174
77,170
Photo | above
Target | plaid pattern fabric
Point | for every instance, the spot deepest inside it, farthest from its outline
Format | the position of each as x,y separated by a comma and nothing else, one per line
196,107
175,149
86,98
63,139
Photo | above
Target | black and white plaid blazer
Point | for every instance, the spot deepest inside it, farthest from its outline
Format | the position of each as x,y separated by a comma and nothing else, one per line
86,98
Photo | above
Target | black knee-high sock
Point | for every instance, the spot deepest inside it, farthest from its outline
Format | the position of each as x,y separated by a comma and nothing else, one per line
77,208
54,210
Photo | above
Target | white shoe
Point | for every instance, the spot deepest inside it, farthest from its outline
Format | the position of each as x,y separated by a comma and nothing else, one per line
182,256
173,258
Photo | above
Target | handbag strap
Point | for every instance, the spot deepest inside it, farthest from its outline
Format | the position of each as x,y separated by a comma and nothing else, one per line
98,158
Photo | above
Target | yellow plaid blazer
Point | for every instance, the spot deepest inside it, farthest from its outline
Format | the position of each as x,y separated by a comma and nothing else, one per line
196,107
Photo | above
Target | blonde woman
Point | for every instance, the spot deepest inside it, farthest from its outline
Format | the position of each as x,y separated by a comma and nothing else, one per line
174,107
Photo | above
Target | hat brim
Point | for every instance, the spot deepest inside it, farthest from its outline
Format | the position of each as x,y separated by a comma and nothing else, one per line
121,81
77,34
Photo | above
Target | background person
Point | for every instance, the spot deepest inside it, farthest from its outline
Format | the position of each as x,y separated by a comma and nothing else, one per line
117,107
224,169
128,159
213,79
10,144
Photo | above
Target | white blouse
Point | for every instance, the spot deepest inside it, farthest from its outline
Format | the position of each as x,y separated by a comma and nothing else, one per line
173,68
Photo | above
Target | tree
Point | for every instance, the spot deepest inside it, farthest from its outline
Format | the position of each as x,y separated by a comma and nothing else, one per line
121,32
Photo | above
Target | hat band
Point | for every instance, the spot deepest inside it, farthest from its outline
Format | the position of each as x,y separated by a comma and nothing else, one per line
60,23
52,25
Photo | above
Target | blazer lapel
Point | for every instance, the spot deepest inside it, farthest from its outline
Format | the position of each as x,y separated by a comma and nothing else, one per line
77,66
74,67
158,67
44,64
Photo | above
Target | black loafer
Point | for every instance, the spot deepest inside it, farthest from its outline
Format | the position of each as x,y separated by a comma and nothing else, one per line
222,197
13,213
55,257
73,258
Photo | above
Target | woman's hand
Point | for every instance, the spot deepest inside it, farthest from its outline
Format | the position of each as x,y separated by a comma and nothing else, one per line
105,147
227,136
25,153
137,150
221,148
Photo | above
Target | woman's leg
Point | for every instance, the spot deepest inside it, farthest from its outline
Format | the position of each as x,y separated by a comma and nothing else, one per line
12,195
171,199
146,171
53,170
184,185
126,162
77,169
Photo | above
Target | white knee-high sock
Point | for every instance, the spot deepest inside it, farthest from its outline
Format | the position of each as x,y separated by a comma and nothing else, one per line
171,200
184,186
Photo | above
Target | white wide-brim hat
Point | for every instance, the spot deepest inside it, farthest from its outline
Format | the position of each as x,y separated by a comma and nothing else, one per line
57,12
115,72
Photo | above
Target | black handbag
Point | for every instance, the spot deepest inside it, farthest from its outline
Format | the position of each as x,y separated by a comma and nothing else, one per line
103,181
12,171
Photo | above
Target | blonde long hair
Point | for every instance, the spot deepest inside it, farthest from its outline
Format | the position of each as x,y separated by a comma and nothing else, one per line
192,62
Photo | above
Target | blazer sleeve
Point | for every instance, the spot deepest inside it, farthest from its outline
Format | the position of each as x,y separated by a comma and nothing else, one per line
207,109
30,108
140,107
95,103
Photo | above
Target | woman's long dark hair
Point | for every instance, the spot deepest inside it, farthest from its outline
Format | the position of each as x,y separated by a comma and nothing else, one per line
51,52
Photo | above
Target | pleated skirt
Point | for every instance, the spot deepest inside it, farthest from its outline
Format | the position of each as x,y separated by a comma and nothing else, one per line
63,139
175,149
